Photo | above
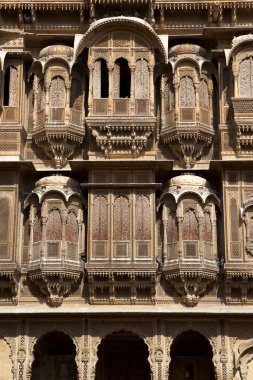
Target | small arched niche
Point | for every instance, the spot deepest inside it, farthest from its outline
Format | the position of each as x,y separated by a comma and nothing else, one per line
54,358
122,355
191,357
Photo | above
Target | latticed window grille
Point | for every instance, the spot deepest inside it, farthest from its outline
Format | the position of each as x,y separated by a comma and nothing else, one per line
121,226
172,229
100,218
186,93
57,94
143,220
190,226
245,78
4,227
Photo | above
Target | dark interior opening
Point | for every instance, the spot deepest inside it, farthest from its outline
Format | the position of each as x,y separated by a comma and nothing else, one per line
7,86
104,79
54,357
122,356
191,357
125,78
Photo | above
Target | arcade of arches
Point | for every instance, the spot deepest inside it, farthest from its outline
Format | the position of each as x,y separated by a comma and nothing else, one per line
122,355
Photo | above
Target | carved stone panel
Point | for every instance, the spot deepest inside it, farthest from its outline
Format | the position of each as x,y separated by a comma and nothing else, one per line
141,79
13,87
97,80
4,227
245,84
186,93
71,233
207,235
190,226
121,221
172,230
203,95
54,226
143,218
37,229
57,96
100,218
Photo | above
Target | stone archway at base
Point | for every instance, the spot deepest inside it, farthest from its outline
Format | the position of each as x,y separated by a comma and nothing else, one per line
54,358
191,358
122,356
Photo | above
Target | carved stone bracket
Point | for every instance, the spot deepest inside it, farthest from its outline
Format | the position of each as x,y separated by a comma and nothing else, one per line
187,147
117,138
190,286
58,143
55,285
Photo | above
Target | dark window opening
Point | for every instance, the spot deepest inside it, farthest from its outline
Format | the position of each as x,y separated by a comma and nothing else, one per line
104,79
7,86
124,78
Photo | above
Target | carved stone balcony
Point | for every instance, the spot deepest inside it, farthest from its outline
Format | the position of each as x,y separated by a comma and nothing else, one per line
187,136
55,278
55,236
59,134
239,282
121,132
121,283
191,277
243,116
190,237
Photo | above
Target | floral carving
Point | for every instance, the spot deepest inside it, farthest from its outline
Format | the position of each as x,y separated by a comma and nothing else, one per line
100,218
141,79
143,218
246,78
121,229
186,93
57,94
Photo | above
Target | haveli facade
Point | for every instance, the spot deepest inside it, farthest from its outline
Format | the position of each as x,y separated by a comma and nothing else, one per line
126,190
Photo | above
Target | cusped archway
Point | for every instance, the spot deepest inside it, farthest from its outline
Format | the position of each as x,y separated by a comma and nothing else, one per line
123,355
54,358
191,357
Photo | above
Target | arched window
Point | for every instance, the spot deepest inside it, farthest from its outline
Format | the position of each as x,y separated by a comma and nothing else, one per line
11,87
4,227
203,95
207,235
143,218
71,235
121,225
41,96
245,78
121,79
186,93
100,79
172,231
190,226
100,218
141,79
57,94
37,235
54,233
76,95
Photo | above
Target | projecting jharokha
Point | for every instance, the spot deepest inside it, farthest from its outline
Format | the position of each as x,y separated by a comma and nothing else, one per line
126,190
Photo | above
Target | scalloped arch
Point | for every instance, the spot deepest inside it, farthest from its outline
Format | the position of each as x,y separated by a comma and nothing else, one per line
131,22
